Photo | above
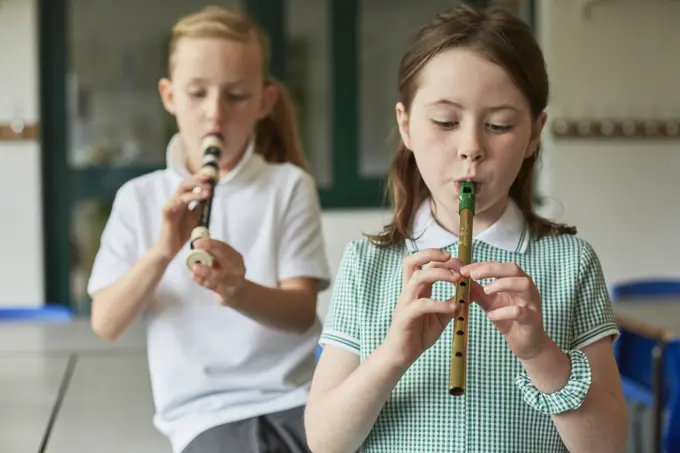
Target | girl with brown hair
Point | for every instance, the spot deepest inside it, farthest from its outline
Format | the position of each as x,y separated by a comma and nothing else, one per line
541,375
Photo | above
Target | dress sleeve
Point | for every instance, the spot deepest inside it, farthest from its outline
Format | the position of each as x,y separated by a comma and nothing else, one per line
593,320
341,327
593,314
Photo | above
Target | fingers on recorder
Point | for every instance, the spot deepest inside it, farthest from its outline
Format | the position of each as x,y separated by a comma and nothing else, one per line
188,192
419,259
425,278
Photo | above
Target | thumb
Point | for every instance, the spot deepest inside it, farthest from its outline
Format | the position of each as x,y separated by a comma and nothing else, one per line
454,264
478,296
477,293
172,209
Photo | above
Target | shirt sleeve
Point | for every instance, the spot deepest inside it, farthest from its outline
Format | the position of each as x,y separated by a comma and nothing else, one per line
341,327
118,249
593,314
302,250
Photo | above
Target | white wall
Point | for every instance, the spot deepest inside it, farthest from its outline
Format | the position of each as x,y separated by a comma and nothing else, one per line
621,194
21,246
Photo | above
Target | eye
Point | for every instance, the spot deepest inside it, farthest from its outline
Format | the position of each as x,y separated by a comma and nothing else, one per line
197,94
445,125
237,97
498,128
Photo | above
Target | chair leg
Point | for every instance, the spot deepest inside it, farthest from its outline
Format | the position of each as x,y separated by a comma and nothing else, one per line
637,431
657,359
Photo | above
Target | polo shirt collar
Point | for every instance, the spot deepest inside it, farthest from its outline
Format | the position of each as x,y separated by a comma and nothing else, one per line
510,232
176,159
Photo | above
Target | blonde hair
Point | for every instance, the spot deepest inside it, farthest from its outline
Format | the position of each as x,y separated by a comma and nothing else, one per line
277,136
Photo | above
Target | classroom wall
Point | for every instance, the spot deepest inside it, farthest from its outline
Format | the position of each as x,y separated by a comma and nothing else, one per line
21,236
615,63
622,194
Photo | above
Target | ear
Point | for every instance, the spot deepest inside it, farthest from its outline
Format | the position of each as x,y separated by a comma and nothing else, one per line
537,130
167,96
403,123
270,97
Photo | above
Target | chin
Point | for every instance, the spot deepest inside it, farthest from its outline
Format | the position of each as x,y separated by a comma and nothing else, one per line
485,204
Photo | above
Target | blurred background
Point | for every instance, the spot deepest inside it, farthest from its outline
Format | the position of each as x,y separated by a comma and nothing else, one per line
80,115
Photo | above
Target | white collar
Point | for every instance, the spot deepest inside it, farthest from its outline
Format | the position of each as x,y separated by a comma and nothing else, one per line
510,231
176,159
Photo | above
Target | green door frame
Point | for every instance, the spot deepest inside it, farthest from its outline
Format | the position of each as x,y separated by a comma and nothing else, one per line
56,199
63,185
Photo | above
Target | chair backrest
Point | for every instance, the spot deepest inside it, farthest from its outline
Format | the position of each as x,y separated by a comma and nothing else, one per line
634,359
634,352
671,435
645,288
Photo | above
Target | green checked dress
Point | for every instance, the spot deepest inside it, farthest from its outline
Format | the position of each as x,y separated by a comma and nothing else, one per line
501,410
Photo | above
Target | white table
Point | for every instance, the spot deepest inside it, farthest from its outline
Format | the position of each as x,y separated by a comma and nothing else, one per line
106,403
656,317
29,387
65,338
108,408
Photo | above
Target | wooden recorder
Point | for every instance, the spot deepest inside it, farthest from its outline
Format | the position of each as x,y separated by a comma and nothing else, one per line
466,210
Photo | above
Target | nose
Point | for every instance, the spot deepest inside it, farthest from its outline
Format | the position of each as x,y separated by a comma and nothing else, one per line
470,146
473,155
215,109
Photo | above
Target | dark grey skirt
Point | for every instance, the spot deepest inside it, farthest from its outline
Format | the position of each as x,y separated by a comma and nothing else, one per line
280,432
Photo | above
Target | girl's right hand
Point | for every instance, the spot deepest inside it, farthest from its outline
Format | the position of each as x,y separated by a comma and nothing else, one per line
418,321
178,221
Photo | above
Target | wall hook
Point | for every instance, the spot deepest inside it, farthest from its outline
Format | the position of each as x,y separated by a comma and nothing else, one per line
587,7
610,128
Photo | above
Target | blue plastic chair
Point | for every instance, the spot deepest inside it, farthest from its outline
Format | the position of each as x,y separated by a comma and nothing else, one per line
646,289
45,314
633,354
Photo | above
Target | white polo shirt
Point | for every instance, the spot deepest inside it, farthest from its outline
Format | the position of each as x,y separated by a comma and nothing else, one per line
210,365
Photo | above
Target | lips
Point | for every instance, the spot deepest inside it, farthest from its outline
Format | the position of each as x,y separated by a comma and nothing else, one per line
214,133
478,185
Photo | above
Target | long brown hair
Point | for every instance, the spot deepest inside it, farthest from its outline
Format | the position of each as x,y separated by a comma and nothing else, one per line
503,39
277,136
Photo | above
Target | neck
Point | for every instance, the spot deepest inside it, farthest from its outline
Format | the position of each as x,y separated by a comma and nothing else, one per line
449,219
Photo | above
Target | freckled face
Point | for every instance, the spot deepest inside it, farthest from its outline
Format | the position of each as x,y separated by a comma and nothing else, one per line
468,121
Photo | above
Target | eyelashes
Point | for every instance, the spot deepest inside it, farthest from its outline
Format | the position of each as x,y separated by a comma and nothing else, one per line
231,97
451,125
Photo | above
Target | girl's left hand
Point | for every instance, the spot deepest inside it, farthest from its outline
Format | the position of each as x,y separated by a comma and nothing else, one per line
512,303
227,275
